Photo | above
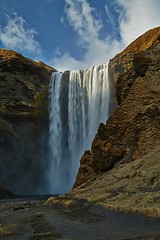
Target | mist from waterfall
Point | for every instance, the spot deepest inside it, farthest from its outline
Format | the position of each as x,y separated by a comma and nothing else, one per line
78,103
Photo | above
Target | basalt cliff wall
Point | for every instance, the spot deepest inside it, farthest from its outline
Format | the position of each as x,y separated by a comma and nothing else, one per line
124,162
23,122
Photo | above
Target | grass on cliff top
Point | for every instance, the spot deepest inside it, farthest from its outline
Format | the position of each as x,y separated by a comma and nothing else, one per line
133,186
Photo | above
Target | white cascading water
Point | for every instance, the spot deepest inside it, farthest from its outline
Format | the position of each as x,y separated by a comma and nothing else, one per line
78,104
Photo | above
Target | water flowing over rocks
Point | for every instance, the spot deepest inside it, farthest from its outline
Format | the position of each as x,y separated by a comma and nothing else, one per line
23,122
78,103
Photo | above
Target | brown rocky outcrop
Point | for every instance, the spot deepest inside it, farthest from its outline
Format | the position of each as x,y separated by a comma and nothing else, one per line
133,129
23,121
125,152
86,171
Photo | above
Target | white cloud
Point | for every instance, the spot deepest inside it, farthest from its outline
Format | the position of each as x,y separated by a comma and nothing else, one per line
65,62
81,16
15,35
135,17
139,16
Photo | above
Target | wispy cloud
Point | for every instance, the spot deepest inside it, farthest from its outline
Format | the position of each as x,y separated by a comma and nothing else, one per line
17,36
109,16
81,16
138,17
135,18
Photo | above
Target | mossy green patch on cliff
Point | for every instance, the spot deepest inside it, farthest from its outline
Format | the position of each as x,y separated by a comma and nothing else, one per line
41,102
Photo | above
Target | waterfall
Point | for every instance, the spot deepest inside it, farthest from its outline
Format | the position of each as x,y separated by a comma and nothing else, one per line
78,103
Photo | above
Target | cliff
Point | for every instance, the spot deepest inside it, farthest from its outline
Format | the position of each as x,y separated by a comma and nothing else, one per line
125,154
23,121
134,128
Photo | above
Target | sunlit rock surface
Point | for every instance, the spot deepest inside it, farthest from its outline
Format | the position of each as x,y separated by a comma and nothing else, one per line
127,146
134,128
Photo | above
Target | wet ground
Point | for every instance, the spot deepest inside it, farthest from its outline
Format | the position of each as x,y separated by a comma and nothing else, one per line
29,219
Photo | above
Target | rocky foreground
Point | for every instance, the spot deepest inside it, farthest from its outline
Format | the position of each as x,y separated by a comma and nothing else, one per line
70,219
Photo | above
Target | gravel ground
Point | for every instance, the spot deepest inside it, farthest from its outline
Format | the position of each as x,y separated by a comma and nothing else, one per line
30,219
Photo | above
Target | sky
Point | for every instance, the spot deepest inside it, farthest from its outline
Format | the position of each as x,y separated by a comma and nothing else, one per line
74,34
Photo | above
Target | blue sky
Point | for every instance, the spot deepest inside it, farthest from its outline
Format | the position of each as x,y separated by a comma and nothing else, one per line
74,34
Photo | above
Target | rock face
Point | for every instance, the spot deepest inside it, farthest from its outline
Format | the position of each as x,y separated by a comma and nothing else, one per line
125,152
86,171
133,129
23,122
